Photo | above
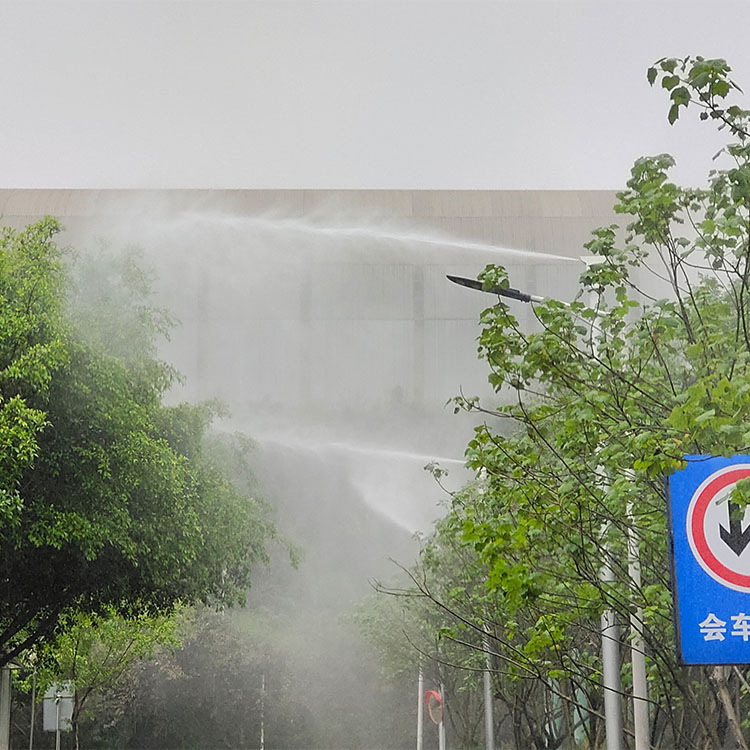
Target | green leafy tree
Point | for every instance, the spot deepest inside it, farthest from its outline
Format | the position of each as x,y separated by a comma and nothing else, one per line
32,284
95,652
598,403
109,498
445,619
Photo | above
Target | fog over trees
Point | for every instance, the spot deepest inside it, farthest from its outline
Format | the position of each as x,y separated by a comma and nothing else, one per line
201,589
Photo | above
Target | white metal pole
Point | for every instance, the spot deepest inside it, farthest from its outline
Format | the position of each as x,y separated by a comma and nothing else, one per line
262,711
611,668
4,708
420,710
489,714
610,633
441,725
637,650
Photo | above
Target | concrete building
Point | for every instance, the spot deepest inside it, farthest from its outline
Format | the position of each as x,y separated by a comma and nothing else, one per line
329,299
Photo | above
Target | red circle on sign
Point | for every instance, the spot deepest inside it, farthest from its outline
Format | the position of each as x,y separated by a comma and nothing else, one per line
696,526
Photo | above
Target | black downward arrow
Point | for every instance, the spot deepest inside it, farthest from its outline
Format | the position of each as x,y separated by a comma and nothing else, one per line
736,539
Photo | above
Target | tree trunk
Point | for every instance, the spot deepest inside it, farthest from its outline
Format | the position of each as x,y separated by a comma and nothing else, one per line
719,678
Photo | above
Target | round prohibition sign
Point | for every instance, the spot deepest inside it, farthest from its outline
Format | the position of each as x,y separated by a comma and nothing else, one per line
718,533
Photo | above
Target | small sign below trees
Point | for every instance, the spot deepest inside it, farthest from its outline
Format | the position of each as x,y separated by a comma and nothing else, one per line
710,544
58,707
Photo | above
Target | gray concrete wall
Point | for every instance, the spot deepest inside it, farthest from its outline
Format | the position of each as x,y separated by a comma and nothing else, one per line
327,299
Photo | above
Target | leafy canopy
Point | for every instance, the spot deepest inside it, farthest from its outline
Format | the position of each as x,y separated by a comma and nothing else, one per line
597,404
109,498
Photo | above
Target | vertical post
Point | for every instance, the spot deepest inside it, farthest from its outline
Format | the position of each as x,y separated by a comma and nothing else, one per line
611,668
4,708
58,709
262,711
637,652
610,633
420,710
489,714
33,709
441,725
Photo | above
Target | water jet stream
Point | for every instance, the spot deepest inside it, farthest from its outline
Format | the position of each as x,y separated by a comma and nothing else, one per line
392,482
361,232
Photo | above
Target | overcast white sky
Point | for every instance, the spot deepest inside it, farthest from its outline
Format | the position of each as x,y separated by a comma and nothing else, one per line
349,94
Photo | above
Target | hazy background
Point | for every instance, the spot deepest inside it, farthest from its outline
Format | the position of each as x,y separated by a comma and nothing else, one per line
326,324
362,94
359,93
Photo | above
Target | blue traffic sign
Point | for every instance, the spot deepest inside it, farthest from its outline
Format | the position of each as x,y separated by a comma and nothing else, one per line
710,542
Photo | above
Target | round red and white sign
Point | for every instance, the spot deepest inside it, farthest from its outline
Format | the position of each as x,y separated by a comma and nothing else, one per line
719,538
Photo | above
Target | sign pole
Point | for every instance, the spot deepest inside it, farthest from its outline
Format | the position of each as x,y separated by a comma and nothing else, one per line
489,716
262,711
58,709
441,725
420,710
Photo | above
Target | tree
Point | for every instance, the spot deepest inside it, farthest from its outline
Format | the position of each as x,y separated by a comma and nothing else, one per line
31,289
95,652
443,618
597,405
109,498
